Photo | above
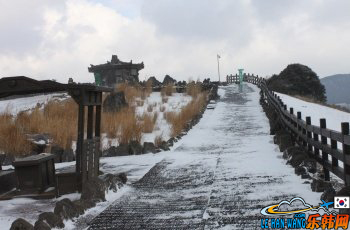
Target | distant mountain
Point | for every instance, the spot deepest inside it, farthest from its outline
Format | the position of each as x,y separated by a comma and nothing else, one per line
337,88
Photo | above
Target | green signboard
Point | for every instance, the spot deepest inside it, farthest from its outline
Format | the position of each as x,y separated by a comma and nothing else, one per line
98,79
240,76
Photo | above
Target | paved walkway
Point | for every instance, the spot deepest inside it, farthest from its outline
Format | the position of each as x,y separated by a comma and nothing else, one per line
218,176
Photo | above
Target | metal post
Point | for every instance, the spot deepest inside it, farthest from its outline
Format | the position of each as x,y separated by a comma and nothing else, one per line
218,57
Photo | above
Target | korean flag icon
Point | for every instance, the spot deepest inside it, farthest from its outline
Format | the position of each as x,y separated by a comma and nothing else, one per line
341,202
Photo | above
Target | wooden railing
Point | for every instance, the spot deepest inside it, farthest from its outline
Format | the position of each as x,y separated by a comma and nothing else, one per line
326,146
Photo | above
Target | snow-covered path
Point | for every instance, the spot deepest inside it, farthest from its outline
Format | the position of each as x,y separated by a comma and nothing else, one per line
219,175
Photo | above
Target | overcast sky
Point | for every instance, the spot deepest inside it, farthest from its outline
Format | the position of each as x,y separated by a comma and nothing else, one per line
59,39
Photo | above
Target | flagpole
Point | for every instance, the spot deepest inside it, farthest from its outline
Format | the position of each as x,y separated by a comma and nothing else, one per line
217,56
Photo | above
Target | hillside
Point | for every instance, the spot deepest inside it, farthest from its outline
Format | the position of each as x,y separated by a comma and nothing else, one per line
334,117
337,88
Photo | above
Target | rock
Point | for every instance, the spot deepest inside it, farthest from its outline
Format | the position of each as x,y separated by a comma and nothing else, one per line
94,190
123,177
114,102
52,219
296,160
58,152
114,182
164,146
320,185
285,141
135,148
328,194
41,225
154,81
83,205
171,141
68,155
310,164
168,80
66,209
121,150
21,224
299,170
148,147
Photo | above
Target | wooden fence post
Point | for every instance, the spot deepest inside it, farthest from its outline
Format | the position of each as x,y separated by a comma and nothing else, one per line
308,134
323,125
346,152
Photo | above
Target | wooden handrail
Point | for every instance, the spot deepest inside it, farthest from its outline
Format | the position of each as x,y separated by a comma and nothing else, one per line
313,138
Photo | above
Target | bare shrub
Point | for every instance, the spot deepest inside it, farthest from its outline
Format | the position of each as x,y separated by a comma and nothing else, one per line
147,123
168,90
12,139
164,100
149,108
179,120
158,140
155,117
193,89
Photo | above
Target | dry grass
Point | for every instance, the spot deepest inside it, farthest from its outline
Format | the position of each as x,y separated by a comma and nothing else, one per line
132,92
147,123
158,140
179,120
168,90
122,125
12,139
193,89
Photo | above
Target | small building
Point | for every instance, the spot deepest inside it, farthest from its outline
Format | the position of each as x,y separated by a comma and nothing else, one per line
116,71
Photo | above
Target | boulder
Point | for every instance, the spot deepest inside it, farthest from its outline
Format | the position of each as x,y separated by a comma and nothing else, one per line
114,182
66,209
135,148
297,159
285,141
299,170
171,141
94,190
328,194
164,146
39,142
83,205
121,150
51,219
114,102
21,224
148,147
168,80
41,225
310,164
320,185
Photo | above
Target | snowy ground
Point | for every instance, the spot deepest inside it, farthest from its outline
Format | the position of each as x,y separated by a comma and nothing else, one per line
220,175
14,106
333,117
174,104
